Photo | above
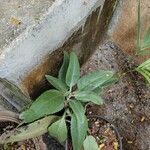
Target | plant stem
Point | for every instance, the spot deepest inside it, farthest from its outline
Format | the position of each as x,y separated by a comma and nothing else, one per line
139,28
68,121
124,73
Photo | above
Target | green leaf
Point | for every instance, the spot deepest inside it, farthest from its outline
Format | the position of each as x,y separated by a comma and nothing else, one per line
147,36
75,133
77,108
32,130
139,27
109,82
144,52
59,130
90,143
144,69
57,83
146,41
145,64
64,67
79,124
78,132
98,90
48,103
73,72
93,80
145,73
88,96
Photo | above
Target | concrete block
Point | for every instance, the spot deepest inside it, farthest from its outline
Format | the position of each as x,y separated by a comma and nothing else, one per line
66,25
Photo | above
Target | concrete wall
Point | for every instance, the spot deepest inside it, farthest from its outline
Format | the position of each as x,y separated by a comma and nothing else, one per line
37,43
17,15
66,25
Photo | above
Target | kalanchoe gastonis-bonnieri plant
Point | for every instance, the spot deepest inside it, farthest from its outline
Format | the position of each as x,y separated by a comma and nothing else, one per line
70,95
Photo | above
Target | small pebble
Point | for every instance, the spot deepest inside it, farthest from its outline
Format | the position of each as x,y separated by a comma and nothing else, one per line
131,106
130,142
14,21
90,112
142,119
102,146
116,145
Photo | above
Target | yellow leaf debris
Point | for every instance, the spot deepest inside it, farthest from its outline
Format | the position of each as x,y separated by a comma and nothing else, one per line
130,142
14,21
116,145
142,119
101,145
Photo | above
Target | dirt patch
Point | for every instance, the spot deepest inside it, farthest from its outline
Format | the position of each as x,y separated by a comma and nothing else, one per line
52,143
127,102
103,133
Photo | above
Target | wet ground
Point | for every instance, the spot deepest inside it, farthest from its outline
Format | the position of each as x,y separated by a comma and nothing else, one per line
127,102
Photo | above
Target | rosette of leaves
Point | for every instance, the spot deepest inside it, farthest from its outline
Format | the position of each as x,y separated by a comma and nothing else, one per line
69,95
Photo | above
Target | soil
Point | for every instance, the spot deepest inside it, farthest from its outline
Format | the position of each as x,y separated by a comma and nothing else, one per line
25,145
127,102
52,143
103,133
